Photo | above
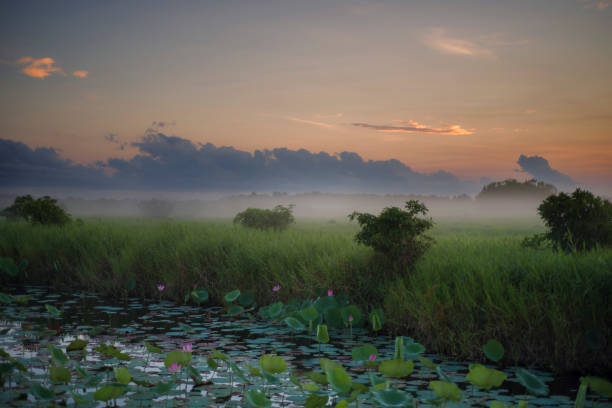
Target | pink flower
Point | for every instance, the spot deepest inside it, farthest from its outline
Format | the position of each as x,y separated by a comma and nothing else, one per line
174,367
276,288
188,348
372,357
350,318
330,292
160,287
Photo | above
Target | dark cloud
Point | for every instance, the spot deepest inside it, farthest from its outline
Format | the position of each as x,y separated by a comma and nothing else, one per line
112,137
171,163
22,166
540,169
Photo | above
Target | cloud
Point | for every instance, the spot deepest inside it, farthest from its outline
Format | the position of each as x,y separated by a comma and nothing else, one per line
323,116
39,68
540,169
311,122
80,73
171,163
415,127
22,166
595,4
112,138
438,40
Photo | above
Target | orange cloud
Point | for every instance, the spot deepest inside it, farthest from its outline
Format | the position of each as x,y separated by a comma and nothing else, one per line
311,122
335,115
440,41
39,68
415,127
80,73
599,5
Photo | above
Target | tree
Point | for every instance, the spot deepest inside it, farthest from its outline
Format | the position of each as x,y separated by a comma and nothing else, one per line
576,221
279,218
397,234
511,188
43,210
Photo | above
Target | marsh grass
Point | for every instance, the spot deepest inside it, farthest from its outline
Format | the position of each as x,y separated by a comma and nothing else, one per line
550,309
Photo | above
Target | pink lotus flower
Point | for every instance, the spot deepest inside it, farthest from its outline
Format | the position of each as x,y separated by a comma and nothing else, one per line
372,357
276,288
350,318
160,287
188,348
330,292
174,367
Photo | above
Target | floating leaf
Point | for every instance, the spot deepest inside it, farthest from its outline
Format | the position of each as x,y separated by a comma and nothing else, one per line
363,353
235,310
231,296
319,378
484,377
412,350
493,350
57,354
122,375
272,364
392,397
53,310
109,392
338,378
316,401
59,374
179,357
77,344
396,368
153,349
530,381
257,399
246,299
199,296
41,392
310,387
309,313
446,390
275,310
294,323
428,363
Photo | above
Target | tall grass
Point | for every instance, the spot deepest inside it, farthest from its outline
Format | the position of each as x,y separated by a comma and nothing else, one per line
550,309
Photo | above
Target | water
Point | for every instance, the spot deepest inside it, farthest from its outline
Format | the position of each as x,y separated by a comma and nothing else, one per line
27,329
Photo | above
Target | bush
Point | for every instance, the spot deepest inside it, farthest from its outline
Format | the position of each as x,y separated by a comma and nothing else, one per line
279,218
43,210
395,233
580,221
511,188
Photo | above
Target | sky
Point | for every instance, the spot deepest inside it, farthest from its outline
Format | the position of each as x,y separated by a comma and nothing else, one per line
430,90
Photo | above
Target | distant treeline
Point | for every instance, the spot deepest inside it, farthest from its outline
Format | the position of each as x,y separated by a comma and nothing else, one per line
505,198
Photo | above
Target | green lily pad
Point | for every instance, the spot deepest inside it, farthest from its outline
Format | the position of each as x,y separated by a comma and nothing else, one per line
396,368
446,390
272,364
231,296
59,374
122,375
363,353
531,382
322,336
392,398
257,399
77,344
598,385
493,350
484,377
109,392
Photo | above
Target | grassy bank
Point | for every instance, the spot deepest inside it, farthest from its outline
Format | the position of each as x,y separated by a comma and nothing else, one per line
476,283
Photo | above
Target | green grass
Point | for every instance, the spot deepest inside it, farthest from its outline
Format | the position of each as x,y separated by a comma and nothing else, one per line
476,282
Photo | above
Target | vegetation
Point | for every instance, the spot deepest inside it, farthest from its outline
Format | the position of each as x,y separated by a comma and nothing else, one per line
43,210
577,221
476,283
278,219
395,233
511,188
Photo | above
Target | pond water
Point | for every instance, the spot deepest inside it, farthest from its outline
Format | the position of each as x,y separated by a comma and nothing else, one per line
27,329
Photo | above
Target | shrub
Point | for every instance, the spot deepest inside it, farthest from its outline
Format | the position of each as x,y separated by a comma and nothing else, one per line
279,218
43,210
576,221
511,188
397,234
